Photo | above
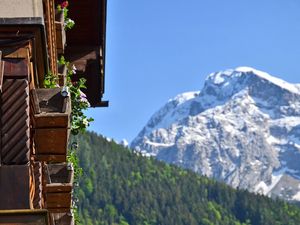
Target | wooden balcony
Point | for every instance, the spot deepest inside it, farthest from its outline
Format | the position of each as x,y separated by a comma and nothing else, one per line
35,122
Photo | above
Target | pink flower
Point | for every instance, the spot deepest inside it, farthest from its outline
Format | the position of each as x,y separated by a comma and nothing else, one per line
64,4
83,98
82,95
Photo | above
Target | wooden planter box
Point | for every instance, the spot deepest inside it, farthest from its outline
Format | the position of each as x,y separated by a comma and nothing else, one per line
60,32
51,124
59,186
62,218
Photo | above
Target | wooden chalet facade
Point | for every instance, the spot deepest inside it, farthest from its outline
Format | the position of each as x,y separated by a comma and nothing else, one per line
36,182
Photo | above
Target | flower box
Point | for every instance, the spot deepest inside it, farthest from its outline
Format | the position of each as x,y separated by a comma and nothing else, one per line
51,124
60,32
59,185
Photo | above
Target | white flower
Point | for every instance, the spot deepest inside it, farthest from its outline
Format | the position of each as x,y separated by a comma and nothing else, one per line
85,122
69,23
74,69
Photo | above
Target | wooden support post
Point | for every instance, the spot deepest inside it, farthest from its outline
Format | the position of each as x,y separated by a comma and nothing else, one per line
1,71
1,83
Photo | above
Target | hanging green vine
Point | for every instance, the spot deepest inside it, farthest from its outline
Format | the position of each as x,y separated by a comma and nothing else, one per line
79,121
73,158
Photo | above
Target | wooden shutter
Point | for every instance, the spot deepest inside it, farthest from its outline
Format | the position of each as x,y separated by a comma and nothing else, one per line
15,142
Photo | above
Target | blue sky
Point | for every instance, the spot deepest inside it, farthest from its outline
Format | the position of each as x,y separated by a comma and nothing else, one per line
157,49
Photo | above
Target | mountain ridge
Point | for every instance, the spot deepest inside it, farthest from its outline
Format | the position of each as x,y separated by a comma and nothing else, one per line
243,128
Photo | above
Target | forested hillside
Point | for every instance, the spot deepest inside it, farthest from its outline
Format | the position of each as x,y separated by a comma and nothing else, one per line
120,187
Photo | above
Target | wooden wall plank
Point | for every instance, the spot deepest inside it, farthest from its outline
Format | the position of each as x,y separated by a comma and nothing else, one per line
14,188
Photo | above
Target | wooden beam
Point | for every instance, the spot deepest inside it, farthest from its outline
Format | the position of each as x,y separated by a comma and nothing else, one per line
1,75
24,217
49,6
1,83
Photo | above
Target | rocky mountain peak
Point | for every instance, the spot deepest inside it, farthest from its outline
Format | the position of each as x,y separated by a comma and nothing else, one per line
243,128
225,84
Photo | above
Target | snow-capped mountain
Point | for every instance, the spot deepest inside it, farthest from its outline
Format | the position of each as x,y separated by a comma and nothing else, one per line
243,128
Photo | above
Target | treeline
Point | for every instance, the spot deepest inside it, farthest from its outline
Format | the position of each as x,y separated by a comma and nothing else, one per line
120,187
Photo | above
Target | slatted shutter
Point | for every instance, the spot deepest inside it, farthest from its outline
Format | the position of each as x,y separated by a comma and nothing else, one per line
15,130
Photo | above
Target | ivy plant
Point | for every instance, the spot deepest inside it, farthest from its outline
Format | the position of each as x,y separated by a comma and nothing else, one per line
50,80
